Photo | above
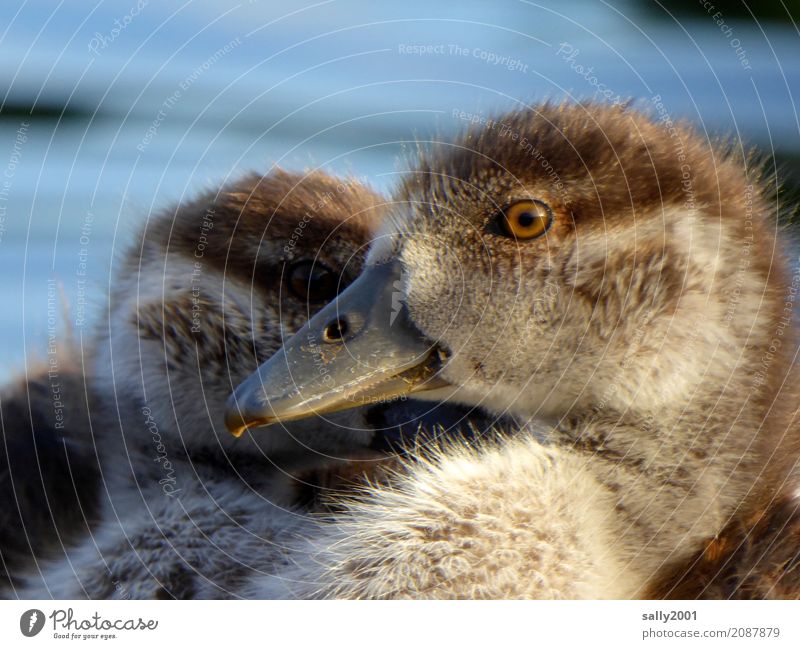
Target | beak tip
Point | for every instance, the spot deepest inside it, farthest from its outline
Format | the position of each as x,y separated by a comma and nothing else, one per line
238,419
239,411
234,422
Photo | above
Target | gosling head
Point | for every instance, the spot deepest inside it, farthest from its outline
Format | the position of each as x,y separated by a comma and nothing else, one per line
212,287
565,259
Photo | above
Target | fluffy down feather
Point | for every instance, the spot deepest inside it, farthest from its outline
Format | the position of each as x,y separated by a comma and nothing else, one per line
519,520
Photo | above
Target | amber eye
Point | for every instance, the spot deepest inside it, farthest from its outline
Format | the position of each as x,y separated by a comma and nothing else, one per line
313,281
525,219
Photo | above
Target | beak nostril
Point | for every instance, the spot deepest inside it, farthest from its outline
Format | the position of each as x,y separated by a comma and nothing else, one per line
335,331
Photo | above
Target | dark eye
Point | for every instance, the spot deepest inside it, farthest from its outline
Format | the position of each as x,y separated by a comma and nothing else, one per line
312,281
526,219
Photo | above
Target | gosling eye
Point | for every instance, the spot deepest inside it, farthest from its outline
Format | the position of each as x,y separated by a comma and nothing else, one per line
525,219
312,281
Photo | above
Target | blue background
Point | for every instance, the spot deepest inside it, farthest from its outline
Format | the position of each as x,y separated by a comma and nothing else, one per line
326,84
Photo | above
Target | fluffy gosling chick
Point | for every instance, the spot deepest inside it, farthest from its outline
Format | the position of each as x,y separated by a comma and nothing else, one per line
207,291
624,285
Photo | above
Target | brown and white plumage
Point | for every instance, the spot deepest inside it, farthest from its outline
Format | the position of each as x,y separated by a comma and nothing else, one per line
208,289
649,337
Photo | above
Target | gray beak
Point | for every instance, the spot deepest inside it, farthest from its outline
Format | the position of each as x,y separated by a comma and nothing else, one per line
361,349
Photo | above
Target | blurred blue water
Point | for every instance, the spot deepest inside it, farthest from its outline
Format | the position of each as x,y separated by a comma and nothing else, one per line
331,84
